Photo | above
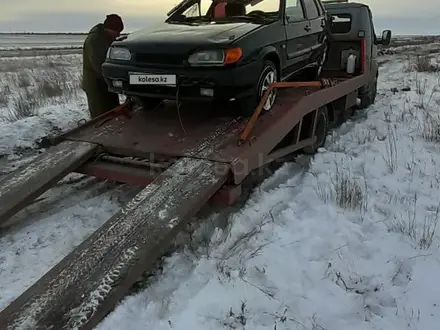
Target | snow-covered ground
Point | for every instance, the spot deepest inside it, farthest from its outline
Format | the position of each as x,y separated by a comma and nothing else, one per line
347,241
26,41
38,96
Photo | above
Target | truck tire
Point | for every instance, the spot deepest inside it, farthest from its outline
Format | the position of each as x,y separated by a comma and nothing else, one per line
368,95
322,125
268,75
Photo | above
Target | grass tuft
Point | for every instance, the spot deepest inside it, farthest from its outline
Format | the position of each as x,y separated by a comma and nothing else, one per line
422,234
345,191
424,64
23,106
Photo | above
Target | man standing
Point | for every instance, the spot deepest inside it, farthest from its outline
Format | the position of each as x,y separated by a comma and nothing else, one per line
95,48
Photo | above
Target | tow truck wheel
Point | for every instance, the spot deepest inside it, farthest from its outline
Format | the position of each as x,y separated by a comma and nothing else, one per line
269,75
368,97
321,132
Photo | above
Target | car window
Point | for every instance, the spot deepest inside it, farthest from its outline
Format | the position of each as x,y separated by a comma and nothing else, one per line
266,6
340,23
294,10
214,9
192,11
320,7
311,9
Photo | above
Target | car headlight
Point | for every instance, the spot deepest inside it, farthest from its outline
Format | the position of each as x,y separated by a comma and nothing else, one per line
118,53
215,57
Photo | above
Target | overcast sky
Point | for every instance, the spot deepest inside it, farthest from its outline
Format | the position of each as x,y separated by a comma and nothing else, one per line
402,16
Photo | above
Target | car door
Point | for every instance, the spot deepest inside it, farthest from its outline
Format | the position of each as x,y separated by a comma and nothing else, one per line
297,34
316,18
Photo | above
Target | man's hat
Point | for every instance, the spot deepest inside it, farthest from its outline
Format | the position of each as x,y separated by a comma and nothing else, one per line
114,22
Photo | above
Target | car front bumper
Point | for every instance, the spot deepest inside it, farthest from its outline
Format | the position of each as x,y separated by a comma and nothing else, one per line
197,84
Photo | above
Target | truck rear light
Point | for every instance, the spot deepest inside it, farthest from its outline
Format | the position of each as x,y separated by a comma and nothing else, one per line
363,55
361,34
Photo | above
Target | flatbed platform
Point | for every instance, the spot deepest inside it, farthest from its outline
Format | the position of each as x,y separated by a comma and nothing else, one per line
169,133
186,158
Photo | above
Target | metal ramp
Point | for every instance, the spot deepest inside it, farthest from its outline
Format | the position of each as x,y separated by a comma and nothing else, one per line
79,291
21,187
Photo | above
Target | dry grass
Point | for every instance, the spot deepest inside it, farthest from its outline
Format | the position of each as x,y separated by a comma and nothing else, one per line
37,89
422,40
25,105
422,234
430,127
424,64
4,96
420,63
344,190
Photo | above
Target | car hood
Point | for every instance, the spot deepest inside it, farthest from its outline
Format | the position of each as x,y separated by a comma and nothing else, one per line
183,38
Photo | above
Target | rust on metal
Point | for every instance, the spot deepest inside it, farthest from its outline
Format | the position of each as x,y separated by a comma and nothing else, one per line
211,135
288,111
118,173
135,162
159,134
121,110
287,84
126,106
87,284
18,189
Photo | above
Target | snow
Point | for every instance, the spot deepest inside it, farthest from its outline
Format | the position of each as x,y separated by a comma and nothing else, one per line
29,41
345,240
24,86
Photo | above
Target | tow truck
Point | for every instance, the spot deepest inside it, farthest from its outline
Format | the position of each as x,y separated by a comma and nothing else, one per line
183,160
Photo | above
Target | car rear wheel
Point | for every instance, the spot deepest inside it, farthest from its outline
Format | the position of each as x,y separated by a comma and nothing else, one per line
269,75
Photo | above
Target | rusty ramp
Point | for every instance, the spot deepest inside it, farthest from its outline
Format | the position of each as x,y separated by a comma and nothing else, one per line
19,188
79,291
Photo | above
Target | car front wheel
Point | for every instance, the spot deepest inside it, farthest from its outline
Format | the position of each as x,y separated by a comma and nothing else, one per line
268,76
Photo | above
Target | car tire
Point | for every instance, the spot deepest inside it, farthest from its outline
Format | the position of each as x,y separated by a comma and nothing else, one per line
268,75
322,126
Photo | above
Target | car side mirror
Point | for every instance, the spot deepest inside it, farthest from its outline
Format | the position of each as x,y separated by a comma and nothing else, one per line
386,38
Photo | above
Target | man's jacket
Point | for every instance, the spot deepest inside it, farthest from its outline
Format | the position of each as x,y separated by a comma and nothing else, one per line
94,54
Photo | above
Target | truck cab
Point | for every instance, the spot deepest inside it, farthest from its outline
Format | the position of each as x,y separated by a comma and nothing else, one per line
354,44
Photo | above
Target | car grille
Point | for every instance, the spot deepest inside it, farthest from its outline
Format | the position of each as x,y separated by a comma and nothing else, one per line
159,58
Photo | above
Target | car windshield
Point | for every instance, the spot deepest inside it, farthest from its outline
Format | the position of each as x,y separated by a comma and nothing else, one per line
192,11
